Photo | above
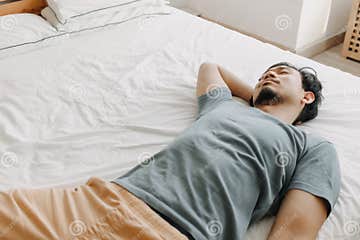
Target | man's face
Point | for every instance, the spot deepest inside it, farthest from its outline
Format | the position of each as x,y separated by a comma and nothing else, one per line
279,85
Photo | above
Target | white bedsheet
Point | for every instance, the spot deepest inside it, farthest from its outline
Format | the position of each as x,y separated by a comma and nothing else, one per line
98,102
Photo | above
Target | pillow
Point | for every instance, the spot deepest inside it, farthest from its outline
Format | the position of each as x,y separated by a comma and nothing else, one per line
65,10
21,29
107,16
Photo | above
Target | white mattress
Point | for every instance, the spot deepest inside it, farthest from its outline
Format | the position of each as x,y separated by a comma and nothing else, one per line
96,103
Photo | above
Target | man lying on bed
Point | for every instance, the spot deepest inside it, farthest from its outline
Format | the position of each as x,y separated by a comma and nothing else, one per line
234,165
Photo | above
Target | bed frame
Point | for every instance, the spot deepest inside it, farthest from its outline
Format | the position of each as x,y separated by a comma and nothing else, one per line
21,6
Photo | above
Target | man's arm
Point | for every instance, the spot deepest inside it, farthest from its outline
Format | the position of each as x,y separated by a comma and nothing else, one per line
300,217
212,75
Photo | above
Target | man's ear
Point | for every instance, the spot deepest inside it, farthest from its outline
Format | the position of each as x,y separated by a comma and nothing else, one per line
309,97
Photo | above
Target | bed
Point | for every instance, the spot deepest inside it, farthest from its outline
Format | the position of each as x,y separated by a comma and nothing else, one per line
98,102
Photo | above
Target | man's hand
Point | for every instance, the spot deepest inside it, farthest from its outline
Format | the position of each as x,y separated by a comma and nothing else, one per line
300,217
212,75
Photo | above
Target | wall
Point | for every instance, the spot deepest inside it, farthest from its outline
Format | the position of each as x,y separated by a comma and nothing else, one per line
314,19
321,20
339,16
275,22
293,24
179,3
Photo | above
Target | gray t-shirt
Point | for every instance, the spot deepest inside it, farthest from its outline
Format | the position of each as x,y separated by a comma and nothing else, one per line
232,167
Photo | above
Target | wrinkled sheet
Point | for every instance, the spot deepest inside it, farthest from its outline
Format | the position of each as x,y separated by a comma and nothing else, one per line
98,102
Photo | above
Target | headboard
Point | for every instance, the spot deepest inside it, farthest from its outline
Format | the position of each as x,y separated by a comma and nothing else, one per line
21,6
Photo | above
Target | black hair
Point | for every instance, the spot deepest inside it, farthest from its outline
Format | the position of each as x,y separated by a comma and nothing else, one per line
310,82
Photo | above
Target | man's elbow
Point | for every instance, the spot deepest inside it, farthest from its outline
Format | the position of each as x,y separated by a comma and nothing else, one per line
207,71
207,65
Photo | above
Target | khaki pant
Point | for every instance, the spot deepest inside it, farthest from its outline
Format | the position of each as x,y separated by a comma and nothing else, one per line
98,210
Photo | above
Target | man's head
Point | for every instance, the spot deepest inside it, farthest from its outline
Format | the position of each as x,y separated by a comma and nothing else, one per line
284,84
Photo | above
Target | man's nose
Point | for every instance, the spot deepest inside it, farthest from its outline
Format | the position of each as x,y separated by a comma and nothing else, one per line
270,74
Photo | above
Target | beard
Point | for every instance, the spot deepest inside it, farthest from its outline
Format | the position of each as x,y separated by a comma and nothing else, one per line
267,96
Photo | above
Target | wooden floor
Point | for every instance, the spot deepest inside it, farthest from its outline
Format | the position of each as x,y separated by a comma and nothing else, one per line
333,58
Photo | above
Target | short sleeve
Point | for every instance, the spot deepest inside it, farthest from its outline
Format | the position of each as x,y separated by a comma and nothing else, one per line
318,173
212,99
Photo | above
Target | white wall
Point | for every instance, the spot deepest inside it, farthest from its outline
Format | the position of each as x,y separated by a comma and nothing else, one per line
179,3
290,23
313,23
322,19
276,22
339,16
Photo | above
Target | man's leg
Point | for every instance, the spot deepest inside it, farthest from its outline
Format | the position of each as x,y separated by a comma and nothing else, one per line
97,210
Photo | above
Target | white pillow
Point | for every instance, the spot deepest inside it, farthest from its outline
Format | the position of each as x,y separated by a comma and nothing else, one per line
66,9
21,29
106,16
